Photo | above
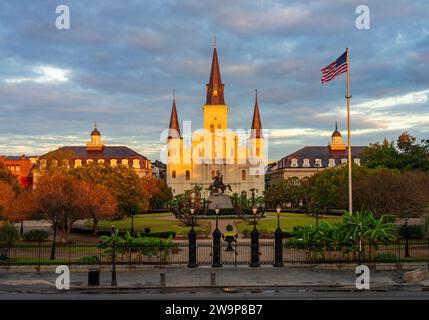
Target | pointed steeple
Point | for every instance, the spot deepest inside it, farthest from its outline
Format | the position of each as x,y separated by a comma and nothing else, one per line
256,131
215,86
336,133
174,128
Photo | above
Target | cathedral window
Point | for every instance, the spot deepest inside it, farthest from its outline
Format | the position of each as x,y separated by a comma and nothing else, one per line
173,174
187,175
243,174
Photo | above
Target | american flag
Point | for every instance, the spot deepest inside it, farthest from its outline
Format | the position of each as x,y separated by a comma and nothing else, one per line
335,68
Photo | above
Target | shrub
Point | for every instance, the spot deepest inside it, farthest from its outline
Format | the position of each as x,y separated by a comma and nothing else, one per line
90,259
36,235
8,234
229,212
164,234
389,218
415,231
386,257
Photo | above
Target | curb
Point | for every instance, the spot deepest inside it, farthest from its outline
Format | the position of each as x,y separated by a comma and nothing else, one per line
128,268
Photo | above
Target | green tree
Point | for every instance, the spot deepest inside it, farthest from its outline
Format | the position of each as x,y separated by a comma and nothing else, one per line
407,155
122,182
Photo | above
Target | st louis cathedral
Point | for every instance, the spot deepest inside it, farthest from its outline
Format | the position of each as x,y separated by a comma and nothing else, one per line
216,151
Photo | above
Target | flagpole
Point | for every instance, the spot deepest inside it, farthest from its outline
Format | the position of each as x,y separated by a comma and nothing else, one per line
349,147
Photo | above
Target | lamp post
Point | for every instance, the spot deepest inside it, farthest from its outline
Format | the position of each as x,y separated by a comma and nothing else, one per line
407,249
254,241
132,224
54,240
216,242
192,239
113,282
278,236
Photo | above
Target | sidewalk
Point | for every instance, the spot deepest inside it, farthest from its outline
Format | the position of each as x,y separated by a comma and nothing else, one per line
228,276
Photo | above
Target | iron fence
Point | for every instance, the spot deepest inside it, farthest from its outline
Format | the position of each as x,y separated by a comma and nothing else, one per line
234,253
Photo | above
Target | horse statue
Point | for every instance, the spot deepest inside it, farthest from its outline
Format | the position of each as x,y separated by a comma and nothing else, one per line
218,187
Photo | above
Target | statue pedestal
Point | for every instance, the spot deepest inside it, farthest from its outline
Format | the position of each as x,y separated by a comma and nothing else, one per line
220,201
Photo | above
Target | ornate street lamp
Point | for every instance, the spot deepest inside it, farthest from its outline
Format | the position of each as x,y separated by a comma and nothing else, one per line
192,239
114,282
278,236
216,242
407,249
254,241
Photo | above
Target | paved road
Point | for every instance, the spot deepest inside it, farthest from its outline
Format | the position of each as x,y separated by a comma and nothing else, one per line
213,294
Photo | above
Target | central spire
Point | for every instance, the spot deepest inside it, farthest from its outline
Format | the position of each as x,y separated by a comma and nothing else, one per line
215,86
256,121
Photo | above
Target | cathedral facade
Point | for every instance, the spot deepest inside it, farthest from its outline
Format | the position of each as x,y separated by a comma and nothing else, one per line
238,157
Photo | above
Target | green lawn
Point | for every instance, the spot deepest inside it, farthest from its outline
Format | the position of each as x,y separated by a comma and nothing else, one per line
156,224
287,221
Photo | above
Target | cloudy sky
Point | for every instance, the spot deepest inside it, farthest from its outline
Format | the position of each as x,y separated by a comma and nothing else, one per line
118,65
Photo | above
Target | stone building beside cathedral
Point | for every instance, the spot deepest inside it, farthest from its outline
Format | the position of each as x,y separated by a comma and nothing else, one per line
239,157
96,151
311,159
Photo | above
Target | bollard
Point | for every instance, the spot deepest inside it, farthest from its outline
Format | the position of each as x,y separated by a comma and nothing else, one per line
213,279
93,276
162,280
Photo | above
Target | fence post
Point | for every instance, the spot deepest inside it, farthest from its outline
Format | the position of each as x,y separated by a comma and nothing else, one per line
40,243
9,256
428,247
192,247
399,249
278,248
99,252
254,247
70,249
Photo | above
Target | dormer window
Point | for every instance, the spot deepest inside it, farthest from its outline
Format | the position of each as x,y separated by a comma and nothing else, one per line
357,161
318,162
331,162
294,163
306,163
343,160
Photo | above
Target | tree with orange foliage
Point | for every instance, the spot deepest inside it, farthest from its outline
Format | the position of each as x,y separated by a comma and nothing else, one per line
7,200
157,191
59,198
64,199
98,203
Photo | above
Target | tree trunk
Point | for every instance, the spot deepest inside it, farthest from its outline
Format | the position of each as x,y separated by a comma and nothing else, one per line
94,227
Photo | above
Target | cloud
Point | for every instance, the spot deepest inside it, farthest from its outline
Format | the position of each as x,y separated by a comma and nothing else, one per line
44,74
118,64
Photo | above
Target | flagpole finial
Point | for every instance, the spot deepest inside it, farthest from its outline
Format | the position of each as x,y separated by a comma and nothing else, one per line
95,124
336,125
